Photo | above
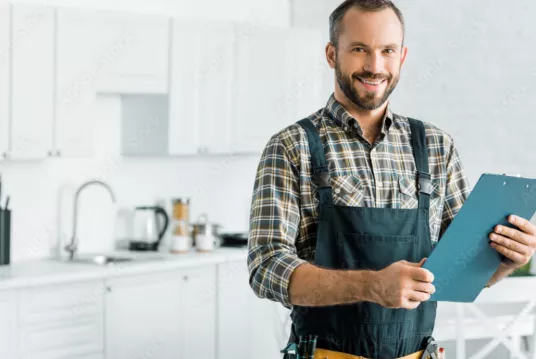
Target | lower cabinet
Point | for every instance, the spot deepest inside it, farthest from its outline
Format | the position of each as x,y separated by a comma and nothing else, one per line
248,327
61,321
8,321
170,315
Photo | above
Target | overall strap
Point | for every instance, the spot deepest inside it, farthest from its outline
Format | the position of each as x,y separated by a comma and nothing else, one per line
320,171
420,153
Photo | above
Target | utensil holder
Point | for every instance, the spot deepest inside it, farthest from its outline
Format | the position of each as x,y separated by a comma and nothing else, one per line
5,236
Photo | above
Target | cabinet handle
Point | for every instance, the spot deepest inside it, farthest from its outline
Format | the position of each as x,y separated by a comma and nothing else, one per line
5,155
50,153
108,289
185,278
58,153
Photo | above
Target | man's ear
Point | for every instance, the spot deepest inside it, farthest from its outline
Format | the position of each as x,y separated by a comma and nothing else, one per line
403,55
331,54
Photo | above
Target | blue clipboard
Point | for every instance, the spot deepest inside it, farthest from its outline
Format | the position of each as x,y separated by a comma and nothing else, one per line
463,261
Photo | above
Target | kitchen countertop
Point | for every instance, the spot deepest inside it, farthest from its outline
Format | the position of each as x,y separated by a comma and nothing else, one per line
49,271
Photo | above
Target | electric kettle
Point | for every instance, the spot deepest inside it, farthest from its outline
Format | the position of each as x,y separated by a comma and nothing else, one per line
148,231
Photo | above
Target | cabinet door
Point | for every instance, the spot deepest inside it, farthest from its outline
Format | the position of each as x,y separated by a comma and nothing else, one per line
143,317
234,311
140,61
79,47
4,78
184,89
261,81
307,63
62,321
32,81
215,86
198,319
8,324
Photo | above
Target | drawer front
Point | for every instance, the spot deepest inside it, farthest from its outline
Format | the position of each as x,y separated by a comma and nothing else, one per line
62,321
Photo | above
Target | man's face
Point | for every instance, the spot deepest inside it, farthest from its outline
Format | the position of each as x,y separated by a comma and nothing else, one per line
369,57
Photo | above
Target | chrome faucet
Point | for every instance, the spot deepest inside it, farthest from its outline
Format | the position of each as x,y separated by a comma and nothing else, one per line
73,246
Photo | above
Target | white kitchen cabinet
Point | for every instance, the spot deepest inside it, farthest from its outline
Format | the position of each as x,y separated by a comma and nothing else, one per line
32,82
307,63
247,325
8,324
261,80
198,309
4,78
278,74
235,299
136,59
184,92
215,80
103,51
62,321
167,315
143,316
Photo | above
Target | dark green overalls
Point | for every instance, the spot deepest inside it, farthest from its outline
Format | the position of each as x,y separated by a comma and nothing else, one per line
369,239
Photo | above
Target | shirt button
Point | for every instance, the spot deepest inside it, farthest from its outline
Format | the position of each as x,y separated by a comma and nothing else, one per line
337,190
380,184
346,128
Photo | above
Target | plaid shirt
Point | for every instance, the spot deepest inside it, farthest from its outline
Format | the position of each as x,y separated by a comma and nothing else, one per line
283,217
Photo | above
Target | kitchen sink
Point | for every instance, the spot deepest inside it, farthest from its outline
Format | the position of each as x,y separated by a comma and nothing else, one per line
105,260
102,260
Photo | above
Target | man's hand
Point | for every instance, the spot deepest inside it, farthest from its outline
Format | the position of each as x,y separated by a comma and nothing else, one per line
517,245
403,285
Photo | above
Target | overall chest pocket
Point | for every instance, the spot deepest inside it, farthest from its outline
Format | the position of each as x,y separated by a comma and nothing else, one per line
347,191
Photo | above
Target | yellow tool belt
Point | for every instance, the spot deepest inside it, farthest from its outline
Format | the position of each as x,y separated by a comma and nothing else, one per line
328,354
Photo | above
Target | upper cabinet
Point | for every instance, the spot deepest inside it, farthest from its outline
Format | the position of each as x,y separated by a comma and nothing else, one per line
32,81
261,82
232,87
135,52
4,79
103,51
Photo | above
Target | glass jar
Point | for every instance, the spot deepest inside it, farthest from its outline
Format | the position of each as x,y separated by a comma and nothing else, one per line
181,240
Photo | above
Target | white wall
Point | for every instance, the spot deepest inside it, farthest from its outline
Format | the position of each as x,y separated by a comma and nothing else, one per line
42,192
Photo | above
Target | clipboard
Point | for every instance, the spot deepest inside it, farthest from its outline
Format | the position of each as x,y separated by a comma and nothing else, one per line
463,261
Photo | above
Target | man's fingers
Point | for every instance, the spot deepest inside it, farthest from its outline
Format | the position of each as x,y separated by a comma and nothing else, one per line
424,287
411,304
510,254
418,296
511,244
523,224
422,275
511,233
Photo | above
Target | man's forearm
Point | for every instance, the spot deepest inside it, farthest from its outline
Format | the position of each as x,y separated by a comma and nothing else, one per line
313,286
501,273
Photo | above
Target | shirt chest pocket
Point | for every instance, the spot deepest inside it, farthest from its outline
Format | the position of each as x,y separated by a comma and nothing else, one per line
347,191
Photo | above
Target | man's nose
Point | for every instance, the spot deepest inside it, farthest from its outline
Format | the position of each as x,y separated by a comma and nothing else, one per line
374,63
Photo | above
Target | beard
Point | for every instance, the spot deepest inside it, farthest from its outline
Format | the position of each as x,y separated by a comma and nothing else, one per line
370,100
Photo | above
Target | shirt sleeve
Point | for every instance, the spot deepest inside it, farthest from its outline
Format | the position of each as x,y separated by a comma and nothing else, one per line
274,224
457,188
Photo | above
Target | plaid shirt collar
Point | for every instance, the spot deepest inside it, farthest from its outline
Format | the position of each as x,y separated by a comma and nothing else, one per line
338,113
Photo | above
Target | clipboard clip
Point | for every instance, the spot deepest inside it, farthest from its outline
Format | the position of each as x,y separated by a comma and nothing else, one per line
424,184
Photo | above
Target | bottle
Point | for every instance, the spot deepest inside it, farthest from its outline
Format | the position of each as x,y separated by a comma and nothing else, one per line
181,240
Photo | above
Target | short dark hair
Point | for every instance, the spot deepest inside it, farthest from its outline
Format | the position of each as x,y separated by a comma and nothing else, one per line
335,19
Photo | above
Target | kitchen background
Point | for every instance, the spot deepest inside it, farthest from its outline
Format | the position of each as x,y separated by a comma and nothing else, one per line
164,99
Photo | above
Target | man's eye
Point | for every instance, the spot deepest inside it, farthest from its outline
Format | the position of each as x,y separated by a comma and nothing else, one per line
390,51
358,49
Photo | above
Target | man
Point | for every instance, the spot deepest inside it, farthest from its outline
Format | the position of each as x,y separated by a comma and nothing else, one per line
349,202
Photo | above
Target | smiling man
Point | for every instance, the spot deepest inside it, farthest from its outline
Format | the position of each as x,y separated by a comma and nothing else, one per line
349,202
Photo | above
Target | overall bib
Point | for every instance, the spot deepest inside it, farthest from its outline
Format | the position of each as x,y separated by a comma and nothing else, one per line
363,238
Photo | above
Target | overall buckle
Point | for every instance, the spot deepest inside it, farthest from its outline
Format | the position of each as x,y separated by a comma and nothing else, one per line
321,178
424,184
